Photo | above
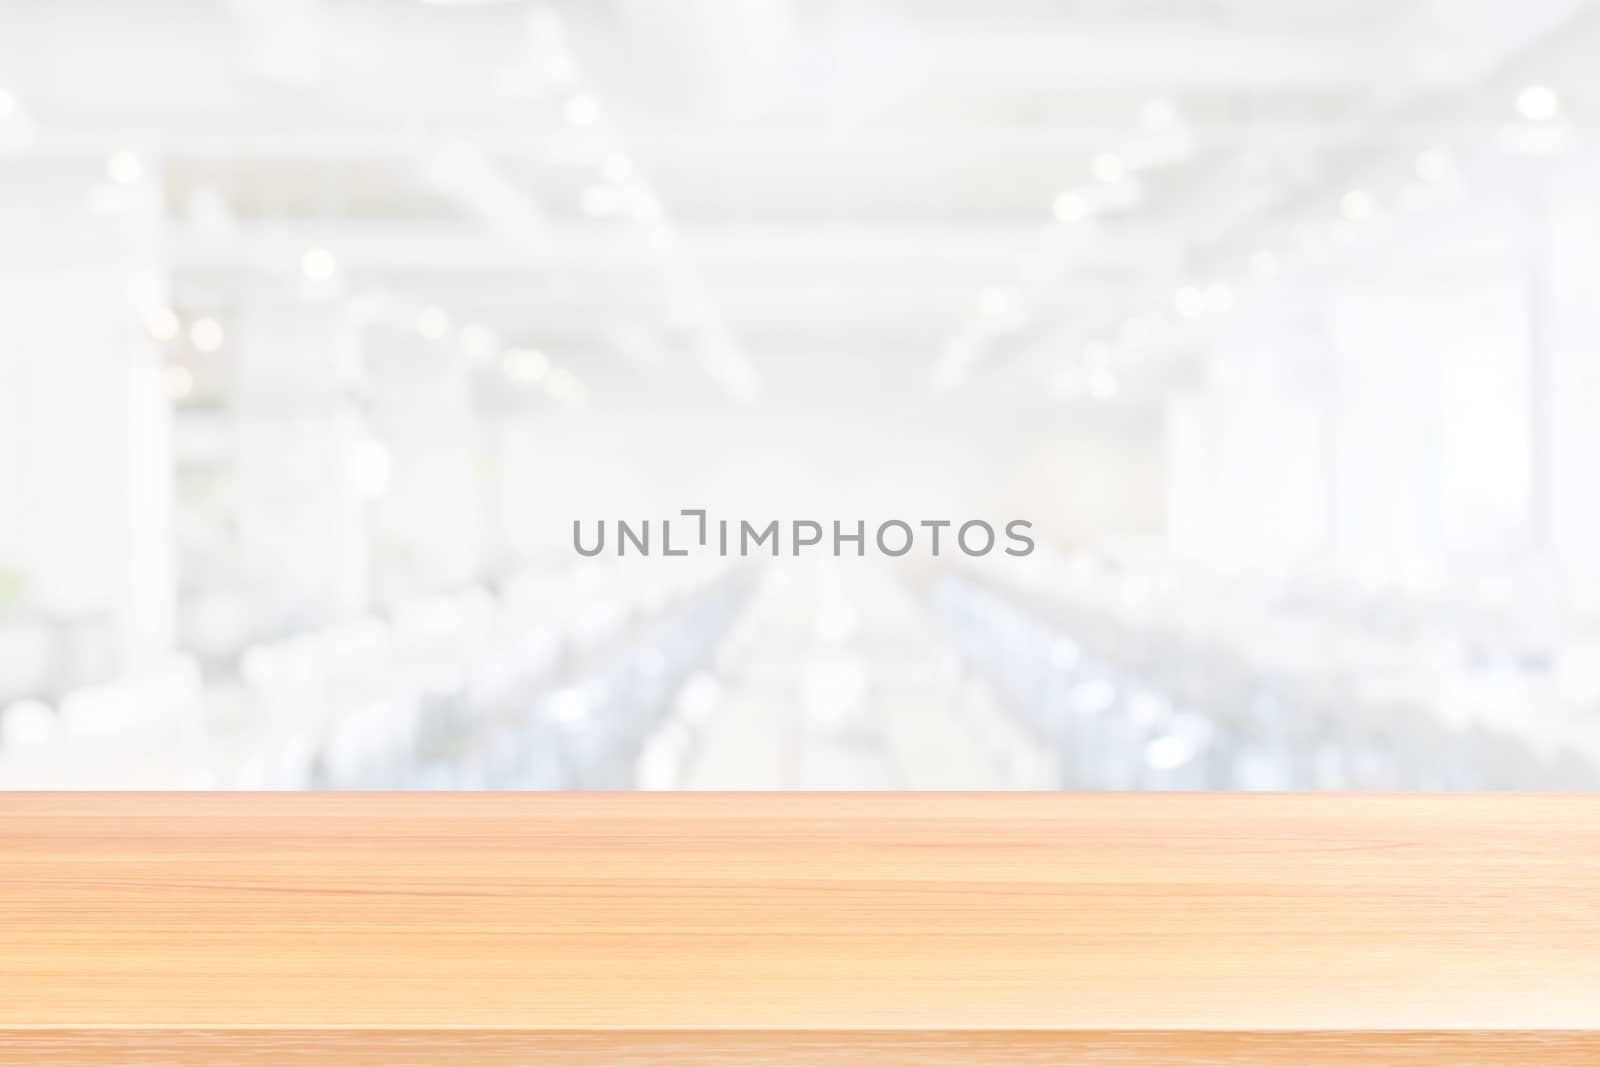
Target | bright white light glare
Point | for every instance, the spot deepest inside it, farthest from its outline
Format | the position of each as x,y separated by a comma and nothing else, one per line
582,110
1107,167
616,168
1219,298
1069,207
1434,166
1102,383
569,706
477,342
433,323
1159,114
318,265
1169,752
180,382
370,469
1189,301
526,366
1263,266
1538,103
124,168
162,324
1355,205
206,335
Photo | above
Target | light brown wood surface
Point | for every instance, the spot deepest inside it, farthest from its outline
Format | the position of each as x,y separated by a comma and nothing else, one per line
825,929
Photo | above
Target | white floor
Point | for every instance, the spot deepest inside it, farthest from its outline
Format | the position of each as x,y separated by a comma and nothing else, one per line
838,680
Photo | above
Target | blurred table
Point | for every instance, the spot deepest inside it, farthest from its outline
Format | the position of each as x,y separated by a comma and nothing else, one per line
823,929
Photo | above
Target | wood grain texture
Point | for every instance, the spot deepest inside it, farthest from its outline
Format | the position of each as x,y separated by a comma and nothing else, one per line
839,928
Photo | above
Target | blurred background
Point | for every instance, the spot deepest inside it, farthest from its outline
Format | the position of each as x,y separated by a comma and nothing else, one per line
321,321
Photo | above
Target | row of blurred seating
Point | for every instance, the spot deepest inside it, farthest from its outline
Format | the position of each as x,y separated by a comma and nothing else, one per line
1124,709
567,715
544,681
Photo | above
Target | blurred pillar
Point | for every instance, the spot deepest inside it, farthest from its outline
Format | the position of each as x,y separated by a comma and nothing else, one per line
1384,434
86,455
1567,266
305,467
429,524
1246,452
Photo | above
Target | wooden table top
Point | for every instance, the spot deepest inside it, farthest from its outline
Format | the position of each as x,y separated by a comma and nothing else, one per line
816,928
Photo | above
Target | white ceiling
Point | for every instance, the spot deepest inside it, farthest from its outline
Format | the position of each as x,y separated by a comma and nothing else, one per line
826,187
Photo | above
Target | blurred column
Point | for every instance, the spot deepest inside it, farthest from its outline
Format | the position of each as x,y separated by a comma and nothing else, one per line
86,460
306,467
1432,427
1385,458
429,525
1567,291
1246,450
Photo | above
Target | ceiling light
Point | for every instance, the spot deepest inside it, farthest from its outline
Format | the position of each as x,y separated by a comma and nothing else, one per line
1355,205
318,265
1189,301
124,168
1107,167
477,342
1219,298
206,335
582,110
526,366
1538,103
433,323
162,324
1069,207
1263,266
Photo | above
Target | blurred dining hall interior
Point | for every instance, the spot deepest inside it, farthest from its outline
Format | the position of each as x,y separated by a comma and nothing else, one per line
324,324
